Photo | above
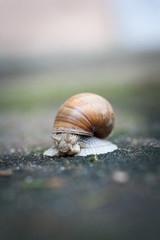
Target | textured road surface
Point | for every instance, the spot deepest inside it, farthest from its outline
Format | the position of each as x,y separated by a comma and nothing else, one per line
112,196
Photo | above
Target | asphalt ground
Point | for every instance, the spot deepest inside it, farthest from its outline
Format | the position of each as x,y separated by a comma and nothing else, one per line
112,196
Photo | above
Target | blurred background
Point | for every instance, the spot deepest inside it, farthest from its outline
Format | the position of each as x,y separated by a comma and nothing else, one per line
52,49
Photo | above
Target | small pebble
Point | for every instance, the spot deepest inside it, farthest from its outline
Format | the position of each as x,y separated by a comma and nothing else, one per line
120,177
6,173
62,168
12,150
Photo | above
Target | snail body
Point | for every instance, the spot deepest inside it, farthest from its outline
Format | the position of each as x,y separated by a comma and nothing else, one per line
80,124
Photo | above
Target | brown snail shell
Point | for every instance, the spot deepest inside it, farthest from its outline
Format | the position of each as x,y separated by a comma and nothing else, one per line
85,114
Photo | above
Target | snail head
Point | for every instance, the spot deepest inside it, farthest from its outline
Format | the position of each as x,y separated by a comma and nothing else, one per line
66,143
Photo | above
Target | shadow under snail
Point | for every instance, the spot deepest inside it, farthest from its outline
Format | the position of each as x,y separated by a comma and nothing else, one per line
80,125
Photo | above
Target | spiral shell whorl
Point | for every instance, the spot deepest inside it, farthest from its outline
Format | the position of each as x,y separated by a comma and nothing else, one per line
85,114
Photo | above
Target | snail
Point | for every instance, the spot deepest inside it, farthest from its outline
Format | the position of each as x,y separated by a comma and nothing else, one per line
81,124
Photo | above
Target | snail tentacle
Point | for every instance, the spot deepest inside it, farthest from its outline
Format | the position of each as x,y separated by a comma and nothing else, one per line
68,144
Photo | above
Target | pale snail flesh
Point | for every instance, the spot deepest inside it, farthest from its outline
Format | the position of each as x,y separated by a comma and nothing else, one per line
80,125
